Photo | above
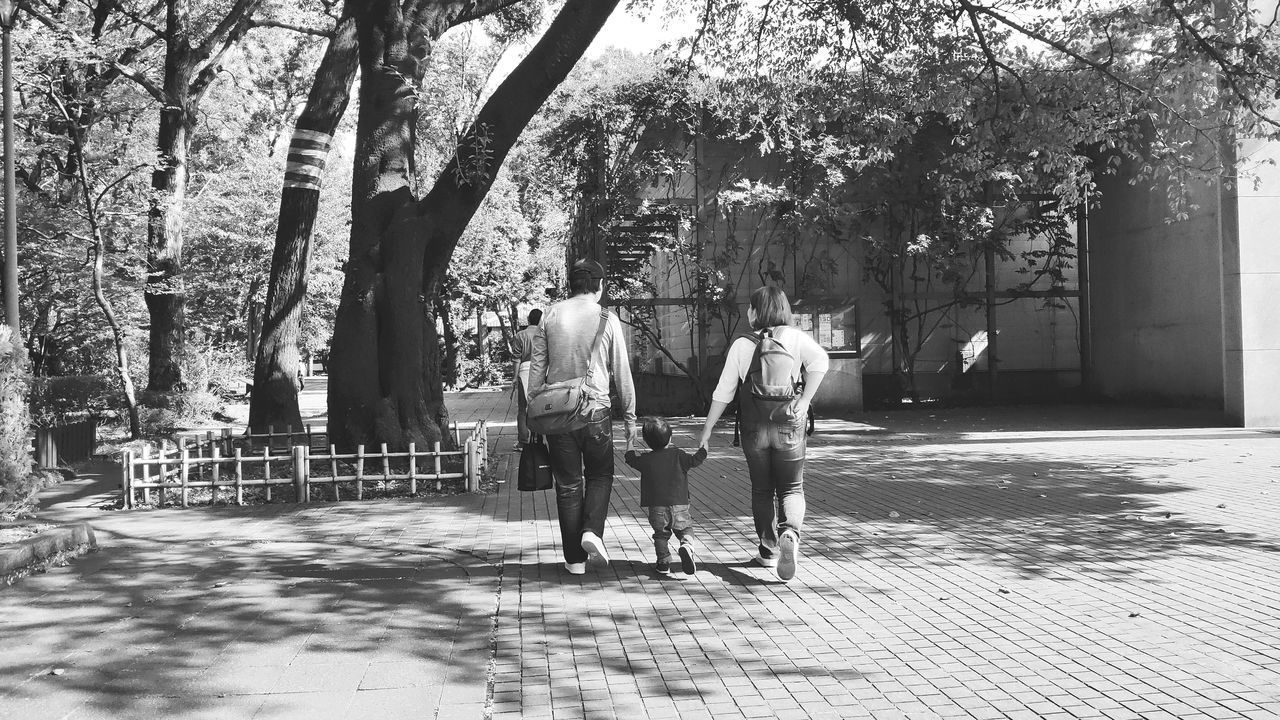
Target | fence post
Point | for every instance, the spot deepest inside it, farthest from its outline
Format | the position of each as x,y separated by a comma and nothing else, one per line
266,470
184,470
239,478
226,441
469,462
436,465
216,454
359,472
478,466
199,455
146,474
300,488
386,468
413,471
126,467
162,478
333,471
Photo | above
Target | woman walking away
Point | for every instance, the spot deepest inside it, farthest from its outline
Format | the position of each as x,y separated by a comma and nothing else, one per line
771,363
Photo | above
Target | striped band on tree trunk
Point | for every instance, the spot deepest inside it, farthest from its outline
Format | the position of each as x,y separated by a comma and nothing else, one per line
307,152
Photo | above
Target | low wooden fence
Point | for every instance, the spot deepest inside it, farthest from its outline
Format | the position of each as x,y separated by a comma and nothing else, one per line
296,462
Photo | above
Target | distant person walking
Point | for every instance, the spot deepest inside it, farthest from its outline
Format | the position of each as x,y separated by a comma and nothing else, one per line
582,459
524,361
770,364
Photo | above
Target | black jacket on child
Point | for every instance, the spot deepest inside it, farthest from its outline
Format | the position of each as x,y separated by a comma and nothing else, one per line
663,474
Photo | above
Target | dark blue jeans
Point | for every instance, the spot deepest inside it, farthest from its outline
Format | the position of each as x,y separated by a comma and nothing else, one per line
582,462
775,460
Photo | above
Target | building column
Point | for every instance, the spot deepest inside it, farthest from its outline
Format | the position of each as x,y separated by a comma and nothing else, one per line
1249,228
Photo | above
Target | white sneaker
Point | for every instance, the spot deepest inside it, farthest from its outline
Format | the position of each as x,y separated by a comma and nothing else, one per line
766,562
789,555
576,568
595,548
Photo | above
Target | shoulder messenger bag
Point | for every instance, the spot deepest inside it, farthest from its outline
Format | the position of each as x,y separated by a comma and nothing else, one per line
564,406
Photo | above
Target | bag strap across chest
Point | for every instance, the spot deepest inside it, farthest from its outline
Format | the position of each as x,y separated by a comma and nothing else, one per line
595,344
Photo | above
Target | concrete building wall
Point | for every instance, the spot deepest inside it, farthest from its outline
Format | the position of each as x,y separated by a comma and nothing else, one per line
1251,273
823,273
1155,297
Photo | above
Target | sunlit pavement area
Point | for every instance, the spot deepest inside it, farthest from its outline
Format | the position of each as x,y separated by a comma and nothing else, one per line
1024,562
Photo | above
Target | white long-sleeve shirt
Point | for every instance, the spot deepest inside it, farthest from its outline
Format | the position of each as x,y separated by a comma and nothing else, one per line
560,350
808,353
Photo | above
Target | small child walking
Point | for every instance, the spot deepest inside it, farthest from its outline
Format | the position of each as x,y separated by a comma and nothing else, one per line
664,489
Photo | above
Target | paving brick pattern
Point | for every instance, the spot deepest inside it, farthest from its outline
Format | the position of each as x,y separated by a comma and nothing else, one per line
1071,565
1068,562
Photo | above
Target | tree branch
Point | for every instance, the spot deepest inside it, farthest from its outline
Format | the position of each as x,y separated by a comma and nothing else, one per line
205,77
235,19
481,8
1227,68
318,32
1098,66
707,10
994,62
499,123
123,68
141,20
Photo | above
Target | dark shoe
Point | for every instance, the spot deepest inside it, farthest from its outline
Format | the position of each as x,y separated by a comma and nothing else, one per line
687,562
662,567
788,555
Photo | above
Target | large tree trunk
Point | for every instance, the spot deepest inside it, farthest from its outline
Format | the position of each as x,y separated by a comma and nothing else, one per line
189,69
275,399
165,294
383,329
385,370
274,403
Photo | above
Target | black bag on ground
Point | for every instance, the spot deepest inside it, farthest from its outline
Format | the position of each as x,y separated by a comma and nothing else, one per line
535,467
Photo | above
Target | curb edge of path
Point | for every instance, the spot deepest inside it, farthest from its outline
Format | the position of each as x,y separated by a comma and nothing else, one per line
36,553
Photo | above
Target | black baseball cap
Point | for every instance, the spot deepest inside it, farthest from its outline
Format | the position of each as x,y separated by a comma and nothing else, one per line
586,267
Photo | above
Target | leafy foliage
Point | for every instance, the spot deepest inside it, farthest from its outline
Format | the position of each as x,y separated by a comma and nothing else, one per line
15,457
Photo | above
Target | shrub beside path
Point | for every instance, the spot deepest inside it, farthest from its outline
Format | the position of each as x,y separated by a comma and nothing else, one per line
1065,562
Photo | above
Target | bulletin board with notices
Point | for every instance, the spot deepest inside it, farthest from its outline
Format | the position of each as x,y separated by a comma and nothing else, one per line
835,329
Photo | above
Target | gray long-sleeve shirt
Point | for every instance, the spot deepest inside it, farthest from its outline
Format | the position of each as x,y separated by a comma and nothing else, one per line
560,350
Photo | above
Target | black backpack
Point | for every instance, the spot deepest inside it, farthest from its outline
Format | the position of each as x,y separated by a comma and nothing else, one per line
768,389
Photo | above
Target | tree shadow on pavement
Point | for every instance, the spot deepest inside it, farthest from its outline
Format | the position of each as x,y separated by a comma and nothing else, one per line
1038,516
171,626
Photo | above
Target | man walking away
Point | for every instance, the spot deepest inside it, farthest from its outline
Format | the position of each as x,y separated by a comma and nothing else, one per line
582,460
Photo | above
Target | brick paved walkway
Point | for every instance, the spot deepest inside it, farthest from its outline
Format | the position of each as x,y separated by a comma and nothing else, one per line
1068,562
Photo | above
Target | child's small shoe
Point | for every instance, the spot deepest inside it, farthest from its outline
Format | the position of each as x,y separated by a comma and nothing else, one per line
663,567
687,561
